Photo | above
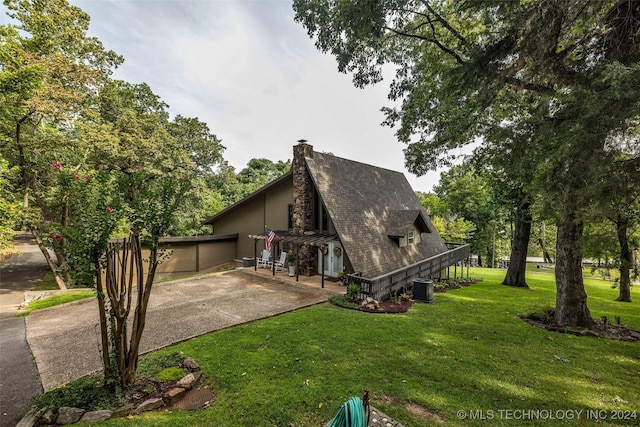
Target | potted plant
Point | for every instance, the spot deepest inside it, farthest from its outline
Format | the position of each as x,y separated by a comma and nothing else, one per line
291,260
343,277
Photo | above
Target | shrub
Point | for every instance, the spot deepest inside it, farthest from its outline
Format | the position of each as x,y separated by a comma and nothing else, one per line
86,393
353,290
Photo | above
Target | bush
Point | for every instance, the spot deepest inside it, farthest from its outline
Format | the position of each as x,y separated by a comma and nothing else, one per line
86,393
353,290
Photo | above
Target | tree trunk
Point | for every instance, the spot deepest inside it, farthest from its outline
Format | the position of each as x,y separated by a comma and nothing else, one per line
493,249
47,257
140,314
518,258
545,253
626,261
571,298
104,333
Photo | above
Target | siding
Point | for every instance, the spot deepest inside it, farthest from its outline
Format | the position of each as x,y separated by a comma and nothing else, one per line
185,256
267,209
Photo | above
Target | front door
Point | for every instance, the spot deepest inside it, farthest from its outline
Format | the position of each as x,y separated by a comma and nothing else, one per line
333,260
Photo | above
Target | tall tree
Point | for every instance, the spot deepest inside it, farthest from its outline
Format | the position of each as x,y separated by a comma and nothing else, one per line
619,203
234,186
468,195
48,67
9,204
568,68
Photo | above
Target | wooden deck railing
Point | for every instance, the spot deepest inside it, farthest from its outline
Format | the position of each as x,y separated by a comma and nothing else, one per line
384,286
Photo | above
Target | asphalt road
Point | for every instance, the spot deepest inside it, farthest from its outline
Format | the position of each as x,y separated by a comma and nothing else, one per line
20,273
19,379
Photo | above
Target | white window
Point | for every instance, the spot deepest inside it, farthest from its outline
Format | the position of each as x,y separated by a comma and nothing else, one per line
410,238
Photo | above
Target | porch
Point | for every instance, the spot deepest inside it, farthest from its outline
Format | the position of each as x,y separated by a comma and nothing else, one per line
315,281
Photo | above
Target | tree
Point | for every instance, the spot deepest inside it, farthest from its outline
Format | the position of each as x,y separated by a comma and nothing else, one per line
128,125
260,172
233,186
48,66
9,205
453,229
619,203
99,202
432,204
467,196
563,73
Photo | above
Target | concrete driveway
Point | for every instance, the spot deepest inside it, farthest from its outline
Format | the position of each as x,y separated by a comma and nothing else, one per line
65,340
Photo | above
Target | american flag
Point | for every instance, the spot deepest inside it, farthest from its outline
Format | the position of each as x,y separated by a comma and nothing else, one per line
270,236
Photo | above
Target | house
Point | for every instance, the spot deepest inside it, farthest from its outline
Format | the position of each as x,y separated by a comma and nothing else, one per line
365,219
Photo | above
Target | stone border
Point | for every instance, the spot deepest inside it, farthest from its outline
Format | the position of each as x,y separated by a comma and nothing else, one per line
67,415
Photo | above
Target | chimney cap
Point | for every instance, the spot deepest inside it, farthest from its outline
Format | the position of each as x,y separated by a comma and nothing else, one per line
302,141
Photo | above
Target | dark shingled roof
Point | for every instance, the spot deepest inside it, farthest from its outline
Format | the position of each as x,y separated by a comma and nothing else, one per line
367,204
402,221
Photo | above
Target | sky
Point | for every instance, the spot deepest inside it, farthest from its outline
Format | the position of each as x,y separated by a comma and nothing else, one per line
252,73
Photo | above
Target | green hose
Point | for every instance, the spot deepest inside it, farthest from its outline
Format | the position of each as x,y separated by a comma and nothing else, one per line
351,414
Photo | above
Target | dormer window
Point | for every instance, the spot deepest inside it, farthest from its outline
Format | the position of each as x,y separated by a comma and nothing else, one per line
405,227
410,238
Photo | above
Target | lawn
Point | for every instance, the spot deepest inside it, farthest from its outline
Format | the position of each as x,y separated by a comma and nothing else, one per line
467,354
55,300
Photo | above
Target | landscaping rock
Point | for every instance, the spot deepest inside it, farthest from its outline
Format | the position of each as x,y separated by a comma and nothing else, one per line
173,395
196,398
68,415
29,420
94,416
49,417
124,411
370,304
150,405
189,380
191,364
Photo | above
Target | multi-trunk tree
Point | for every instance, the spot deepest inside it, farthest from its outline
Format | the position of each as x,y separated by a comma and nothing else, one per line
562,73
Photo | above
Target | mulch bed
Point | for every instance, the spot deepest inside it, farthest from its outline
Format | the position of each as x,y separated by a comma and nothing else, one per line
390,305
610,331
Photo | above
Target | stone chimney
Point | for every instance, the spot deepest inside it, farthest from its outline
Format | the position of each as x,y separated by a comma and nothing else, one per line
303,203
302,188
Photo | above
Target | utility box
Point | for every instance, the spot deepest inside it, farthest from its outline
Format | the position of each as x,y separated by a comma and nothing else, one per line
248,262
423,290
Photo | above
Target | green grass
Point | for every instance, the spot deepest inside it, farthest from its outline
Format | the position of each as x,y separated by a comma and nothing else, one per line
54,300
468,351
47,283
